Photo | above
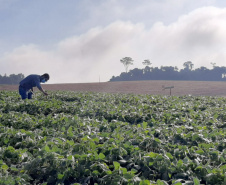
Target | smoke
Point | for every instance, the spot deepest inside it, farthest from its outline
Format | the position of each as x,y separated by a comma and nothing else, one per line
198,37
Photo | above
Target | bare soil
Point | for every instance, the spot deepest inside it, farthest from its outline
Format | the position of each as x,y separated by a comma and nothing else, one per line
196,88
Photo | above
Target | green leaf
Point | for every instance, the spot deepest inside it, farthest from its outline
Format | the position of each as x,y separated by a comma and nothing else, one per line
198,167
186,160
200,151
55,148
4,167
157,140
77,156
124,170
196,181
144,124
71,158
145,182
153,155
60,176
169,155
159,157
70,133
95,172
180,163
223,167
46,148
6,140
116,165
96,139
128,176
133,171
101,156
63,128
14,169
177,183
71,142
109,172
161,182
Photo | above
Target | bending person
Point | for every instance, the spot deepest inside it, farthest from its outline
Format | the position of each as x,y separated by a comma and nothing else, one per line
27,84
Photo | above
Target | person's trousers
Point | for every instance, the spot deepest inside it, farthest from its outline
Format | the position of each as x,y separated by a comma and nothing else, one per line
24,93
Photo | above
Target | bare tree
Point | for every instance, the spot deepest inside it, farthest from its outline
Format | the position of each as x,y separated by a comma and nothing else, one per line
127,61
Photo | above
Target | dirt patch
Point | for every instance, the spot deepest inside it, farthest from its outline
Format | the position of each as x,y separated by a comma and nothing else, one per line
140,87
8,87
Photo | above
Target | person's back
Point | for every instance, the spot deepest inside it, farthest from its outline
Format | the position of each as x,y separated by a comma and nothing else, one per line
30,81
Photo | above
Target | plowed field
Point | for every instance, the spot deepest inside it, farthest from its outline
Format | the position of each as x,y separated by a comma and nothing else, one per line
140,87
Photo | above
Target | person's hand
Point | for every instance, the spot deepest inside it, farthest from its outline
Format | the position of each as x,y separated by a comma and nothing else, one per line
45,93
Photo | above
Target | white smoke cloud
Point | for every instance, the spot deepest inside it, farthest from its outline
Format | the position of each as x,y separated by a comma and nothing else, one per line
198,37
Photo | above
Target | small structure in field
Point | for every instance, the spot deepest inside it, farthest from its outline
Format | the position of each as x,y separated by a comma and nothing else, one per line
169,87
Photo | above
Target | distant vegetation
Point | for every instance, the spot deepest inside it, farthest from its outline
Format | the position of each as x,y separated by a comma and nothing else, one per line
217,73
11,79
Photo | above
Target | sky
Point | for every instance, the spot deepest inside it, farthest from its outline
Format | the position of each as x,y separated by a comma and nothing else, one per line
82,41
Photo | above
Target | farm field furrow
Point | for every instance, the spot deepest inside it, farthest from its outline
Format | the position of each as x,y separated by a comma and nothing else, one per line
112,138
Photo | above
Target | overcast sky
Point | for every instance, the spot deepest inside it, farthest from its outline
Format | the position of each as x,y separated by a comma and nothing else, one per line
78,41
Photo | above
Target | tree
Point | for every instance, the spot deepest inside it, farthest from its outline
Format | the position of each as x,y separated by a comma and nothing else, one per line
127,61
146,62
136,74
188,65
172,73
213,64
11,79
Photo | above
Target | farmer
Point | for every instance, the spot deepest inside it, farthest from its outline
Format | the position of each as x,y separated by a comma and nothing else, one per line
27,84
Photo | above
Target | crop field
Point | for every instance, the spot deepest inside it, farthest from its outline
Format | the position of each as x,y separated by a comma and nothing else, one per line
112,138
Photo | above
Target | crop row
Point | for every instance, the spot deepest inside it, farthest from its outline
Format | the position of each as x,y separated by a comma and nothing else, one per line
89,138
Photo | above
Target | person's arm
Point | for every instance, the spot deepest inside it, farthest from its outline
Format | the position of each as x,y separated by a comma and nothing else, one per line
40,87
45,93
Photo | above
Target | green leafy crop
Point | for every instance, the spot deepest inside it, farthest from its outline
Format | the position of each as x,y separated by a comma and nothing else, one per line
101,138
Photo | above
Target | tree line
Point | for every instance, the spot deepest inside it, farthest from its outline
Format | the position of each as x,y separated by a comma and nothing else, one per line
217,73
12,79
